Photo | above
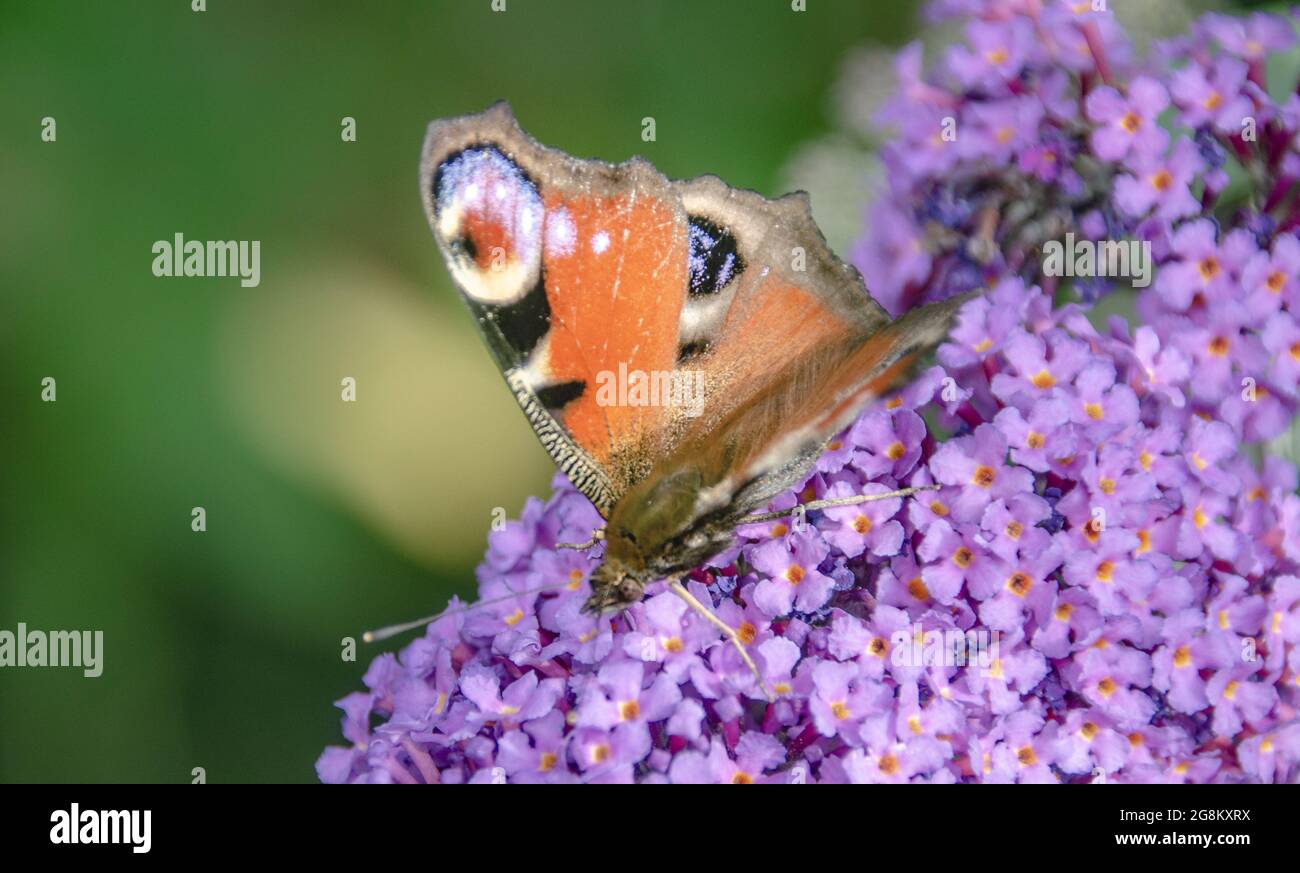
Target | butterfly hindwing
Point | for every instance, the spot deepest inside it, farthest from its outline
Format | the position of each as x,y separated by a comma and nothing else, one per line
788,296
770,444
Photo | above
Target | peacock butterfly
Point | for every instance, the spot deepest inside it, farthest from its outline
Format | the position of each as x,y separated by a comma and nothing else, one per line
683,350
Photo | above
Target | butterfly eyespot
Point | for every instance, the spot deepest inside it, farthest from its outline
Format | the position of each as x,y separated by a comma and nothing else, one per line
487,214
713,261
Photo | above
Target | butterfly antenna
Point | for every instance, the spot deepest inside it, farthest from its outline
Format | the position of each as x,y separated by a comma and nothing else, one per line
394,629
680,590
836,501
596,536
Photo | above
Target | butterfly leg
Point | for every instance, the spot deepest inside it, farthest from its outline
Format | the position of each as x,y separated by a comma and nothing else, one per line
835,501
596,536
680,590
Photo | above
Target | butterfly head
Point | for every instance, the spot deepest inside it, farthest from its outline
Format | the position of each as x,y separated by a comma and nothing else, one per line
613,589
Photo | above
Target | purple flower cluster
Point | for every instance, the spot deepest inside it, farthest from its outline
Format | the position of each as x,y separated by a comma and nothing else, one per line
1042,125
1103,584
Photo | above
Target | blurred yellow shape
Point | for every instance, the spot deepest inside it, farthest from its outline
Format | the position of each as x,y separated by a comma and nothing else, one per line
433,441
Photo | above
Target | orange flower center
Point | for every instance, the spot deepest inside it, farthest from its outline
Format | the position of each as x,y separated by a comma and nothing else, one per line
1144,542
1019,584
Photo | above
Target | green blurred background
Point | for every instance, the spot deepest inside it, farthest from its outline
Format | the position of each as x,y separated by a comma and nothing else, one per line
222,648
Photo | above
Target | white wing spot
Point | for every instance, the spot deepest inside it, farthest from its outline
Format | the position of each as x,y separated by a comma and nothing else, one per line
561,234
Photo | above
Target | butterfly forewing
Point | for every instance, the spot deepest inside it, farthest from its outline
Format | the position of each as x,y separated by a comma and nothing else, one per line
576,272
